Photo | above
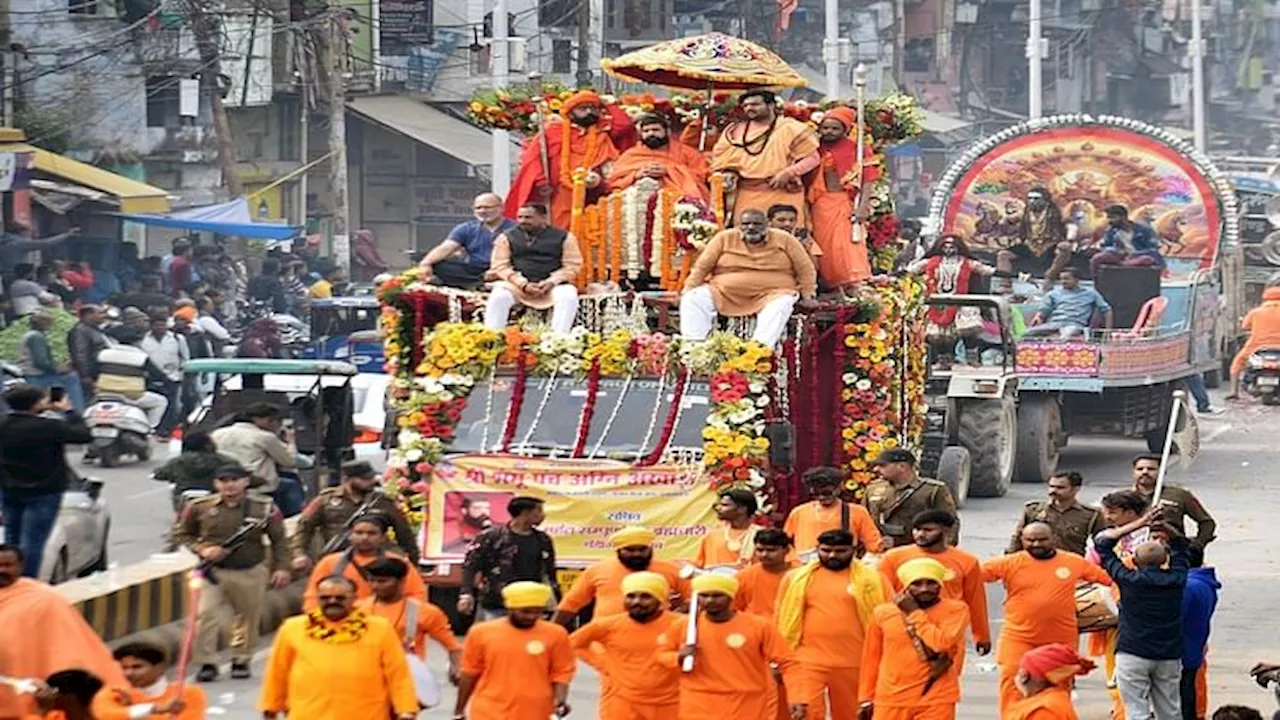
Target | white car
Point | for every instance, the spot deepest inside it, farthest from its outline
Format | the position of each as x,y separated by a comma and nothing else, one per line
78,544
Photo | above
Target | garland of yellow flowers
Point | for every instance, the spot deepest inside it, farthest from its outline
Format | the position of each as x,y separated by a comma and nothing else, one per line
348,630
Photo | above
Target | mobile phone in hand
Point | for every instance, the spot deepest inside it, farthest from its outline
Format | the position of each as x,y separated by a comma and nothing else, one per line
57,393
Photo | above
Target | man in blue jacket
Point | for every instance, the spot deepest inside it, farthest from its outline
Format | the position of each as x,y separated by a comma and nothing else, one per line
1199,600
1127,243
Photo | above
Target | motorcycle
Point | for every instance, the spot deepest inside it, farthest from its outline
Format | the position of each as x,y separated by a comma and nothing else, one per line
118,428
1262,375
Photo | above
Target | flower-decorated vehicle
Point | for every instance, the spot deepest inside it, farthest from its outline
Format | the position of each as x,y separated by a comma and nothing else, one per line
1116,380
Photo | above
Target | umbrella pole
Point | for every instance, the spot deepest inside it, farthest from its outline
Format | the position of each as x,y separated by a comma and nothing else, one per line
706,119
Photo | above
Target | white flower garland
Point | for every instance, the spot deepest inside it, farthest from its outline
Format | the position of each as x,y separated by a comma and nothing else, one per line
656,235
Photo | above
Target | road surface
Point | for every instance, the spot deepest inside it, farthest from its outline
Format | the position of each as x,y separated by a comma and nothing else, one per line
1234,477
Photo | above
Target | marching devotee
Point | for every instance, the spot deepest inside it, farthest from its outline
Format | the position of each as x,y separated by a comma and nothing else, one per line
368,543
734,542
43,634
731,656
148,693
66,695
602,581
1072,522
679,168
622,648
1045,678
536,264
337,662
963,580
758,582
748,270
1176,503
577,142
827,511
824,608
832,194
461,260
909,659
517,667
1040,609
764,157
387,576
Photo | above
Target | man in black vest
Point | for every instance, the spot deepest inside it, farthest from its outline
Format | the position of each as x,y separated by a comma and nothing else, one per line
536,265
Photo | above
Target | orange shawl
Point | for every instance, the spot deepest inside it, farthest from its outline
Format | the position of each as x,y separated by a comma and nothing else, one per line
686,169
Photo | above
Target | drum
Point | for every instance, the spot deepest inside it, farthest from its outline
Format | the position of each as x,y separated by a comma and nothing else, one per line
1096,609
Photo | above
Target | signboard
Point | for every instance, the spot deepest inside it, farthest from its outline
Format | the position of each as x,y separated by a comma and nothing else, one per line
403,24
586,501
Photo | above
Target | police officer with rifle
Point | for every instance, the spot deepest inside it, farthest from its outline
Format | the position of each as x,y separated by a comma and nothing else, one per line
226,532
329,516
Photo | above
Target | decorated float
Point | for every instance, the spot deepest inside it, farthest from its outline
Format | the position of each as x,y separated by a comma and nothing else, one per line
1116,381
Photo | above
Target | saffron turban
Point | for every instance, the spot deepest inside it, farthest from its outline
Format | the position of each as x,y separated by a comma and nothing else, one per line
649,583
1054,663
582,97
846,115
921,569
715,583
632,536
185,313
525,594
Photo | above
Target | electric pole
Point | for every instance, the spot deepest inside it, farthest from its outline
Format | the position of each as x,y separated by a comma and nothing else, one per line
831,47
1035,63
584,43
1198,100
500,63
207,29
334,44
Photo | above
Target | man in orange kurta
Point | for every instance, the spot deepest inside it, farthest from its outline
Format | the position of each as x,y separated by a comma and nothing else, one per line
734,542
368,540
832,191
748,270
930,530
602,581
764,156
387,577
148,694
731,656
898,680
577,141
43,634
824,608
826,511
758,585
679,168
337,662
623,648
1045,678
517,667
1263,325
1040,586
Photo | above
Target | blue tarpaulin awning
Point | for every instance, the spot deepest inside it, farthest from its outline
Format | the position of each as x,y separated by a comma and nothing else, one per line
229,218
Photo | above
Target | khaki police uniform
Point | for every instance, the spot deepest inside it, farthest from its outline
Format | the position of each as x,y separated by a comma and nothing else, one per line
1179,504
326,516
1071,528
240,579
894,509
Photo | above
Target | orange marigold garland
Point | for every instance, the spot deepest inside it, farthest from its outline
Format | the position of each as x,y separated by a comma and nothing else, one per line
668,238
615,256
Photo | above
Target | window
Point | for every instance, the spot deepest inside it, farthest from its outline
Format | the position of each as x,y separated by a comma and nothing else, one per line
82,7
290,120
162,101
561,56
558,13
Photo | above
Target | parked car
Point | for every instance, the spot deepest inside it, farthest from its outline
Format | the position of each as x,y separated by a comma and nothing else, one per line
77,547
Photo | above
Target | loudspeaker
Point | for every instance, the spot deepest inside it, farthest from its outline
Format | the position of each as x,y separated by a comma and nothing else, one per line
1127,289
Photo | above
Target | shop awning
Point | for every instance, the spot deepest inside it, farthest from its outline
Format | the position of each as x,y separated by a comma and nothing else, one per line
133,196
428,126
229,218
941,123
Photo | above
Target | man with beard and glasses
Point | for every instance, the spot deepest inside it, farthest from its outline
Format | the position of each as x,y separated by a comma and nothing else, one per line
679,168
910,660
535,264
337,662
518,667
1040,607
963,580
838,206
602,582
748,270
577,140
764,156
462,259
475,515
734,542
824,608
828,511
368,543
622,648
731,657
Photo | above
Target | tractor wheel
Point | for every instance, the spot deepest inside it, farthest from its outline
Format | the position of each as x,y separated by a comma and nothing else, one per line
1039,430
988,429
954,471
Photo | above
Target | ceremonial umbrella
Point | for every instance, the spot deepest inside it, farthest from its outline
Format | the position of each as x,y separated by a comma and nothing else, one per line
704,62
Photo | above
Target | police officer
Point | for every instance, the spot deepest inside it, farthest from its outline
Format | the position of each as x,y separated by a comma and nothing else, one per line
1072,523
900,494
328,514
1177,504
239,574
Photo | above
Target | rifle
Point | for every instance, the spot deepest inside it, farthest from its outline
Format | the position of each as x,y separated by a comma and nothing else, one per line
339,540
231,544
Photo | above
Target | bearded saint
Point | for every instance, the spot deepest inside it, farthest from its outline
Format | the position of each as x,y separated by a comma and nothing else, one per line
764,157
578,141
833,191
949,268
679,168
1042,249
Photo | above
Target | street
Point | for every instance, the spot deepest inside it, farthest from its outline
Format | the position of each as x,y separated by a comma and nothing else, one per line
1233,477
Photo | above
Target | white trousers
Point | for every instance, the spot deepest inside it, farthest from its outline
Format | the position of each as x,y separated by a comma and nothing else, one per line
154,405
564,298
698,316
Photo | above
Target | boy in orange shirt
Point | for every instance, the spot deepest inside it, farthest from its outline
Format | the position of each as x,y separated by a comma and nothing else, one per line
389,600
734,542
149,693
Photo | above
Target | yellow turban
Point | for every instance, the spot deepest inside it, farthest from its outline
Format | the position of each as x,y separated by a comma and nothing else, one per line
646,582
631,536
921,569
525,594
713,582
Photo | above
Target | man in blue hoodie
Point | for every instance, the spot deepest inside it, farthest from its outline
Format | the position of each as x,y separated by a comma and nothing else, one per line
1199,599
